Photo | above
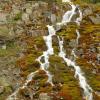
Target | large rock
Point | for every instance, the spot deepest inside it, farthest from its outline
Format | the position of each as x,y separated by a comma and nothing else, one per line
3,17
28,7
53,18
4,31
87,11
15,10
95,20
44,96
1,89
25,17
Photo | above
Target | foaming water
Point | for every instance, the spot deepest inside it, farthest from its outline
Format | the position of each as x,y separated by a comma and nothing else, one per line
13,96
45,65
78,73
67,17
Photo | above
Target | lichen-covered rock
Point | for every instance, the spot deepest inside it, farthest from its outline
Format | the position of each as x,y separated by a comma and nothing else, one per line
44,96
3,18
95,20
87,11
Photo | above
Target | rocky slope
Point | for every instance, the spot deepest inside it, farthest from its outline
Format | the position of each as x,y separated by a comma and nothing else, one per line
22,25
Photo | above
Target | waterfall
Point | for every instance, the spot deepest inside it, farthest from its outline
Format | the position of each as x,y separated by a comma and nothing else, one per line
78,73
48,40
45,64
13,96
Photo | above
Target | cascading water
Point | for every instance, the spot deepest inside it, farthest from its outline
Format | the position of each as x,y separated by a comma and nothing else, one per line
78,73
67,17
48,40
43,65
13,96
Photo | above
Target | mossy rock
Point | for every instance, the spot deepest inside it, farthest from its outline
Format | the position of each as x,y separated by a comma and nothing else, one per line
73,92
63,74
18,16
28,61
68,32
39,41
93,79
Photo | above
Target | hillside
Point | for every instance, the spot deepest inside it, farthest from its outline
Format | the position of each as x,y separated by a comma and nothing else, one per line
36,43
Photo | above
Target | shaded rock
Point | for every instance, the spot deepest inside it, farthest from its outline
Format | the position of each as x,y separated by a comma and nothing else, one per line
72,43
58,27
79,52
55,40
98,57
95,20
3,17
1,89
93,49
87,11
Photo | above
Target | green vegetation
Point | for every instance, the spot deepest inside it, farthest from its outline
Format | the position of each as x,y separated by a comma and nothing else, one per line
92,1
63,74
92,78
11,50
18,16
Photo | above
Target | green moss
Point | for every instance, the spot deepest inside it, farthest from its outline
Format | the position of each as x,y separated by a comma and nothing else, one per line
63,74
93,79
56,50
41,77
4,31
68,32
29,59
39,41
86,29
7,91
46,89
72,91
11,50
55,59
18,16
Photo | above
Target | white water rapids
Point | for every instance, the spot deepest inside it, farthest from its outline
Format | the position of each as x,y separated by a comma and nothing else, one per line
48,40
67,17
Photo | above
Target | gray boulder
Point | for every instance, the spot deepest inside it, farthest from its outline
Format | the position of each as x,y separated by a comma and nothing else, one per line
87,11
1,89
3,17
53,18
95,20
